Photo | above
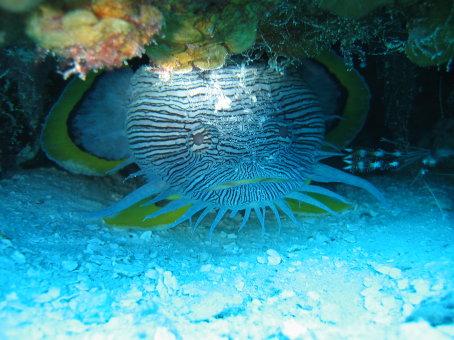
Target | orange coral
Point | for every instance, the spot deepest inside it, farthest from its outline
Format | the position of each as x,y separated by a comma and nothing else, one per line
102,35
112,8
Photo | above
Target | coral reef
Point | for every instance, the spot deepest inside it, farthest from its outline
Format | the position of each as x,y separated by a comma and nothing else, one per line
23,103
102,35
301,29
237,27
423,30
180,35
400,87
431,37
358,9
18,6
354,9
106,33
190,39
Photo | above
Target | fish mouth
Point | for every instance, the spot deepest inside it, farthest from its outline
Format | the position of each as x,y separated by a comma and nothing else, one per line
233,184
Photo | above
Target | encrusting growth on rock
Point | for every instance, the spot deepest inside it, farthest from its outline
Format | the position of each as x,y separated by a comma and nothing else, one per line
102,35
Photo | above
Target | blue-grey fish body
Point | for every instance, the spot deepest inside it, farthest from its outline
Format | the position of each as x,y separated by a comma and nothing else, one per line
200,131
237,138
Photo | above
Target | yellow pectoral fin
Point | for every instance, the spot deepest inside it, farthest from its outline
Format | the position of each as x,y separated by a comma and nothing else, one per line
56,141
135,215
306,208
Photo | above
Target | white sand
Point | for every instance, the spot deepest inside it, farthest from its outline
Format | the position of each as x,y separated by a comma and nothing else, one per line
361,274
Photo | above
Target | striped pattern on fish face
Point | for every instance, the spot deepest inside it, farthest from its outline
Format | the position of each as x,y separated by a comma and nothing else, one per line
230,137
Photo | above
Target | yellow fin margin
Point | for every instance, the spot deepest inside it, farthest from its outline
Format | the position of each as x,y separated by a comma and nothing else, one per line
56,142
357,104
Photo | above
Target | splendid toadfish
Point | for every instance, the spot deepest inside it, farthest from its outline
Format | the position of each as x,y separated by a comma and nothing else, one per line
243,138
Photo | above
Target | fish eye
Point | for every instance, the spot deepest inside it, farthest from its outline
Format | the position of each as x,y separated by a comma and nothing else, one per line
283,131
198,138
202,138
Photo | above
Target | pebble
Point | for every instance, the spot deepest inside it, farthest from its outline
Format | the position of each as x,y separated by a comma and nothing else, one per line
149,287
170,281
402,284
372,304
438,286
69,265
131,298
389,303
293,329
415,298
219,270
91,227
205,268
255,304
161,289
392,272
203,257
370,281
420,330
167,283
373,290
350,238
372,297
286,294
146,235
93,245
212,304
329,312
261,260
33,272
5,242
239,284
162,333
243,265
313,295
128,269
273,257
407,309
151,274
421,286
351,227
294,248
19,257
82,285
321,238
51,294
231,247
11,296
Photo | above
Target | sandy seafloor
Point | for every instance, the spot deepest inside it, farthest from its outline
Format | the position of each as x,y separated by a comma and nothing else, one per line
372,272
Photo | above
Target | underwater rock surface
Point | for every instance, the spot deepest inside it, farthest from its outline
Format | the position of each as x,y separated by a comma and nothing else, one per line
370,272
